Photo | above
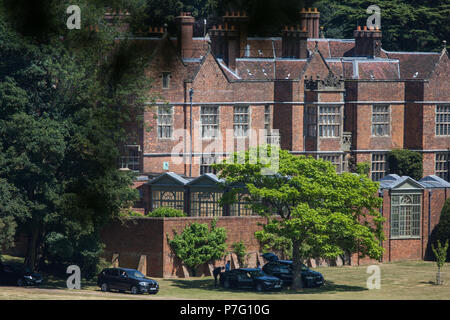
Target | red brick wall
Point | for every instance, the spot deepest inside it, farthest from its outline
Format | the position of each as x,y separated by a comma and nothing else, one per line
148,236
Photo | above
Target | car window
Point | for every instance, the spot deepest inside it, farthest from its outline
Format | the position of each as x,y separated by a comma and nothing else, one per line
135,274
285,269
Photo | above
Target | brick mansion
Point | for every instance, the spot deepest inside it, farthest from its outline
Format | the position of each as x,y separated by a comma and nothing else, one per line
342,100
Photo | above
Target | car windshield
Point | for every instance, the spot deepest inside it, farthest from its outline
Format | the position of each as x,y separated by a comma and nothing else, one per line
135,274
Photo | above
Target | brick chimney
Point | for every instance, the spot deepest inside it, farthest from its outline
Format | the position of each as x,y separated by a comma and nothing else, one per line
185,32
230,39
367,42
310,20
294,43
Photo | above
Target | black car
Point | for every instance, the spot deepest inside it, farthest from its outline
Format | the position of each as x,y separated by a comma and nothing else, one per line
283,269
13,276
249,278
122,279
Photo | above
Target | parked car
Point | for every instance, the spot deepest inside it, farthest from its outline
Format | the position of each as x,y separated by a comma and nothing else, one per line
249,278
122,279
283,269
14,276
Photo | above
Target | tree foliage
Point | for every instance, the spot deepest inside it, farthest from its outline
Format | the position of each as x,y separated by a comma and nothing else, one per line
198,244
166,212
443,227
323,213
405,163
406,25
240,250
65,99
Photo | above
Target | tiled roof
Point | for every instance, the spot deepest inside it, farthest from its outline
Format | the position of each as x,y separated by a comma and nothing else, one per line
413,65
255,69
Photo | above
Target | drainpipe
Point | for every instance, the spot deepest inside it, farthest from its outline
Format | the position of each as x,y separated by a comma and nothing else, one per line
430,193
380,194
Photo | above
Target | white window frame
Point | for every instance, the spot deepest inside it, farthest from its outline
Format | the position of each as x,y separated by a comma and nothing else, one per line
375,166
213,129
442,120
405,217
241,128
329,121
164,124
381,119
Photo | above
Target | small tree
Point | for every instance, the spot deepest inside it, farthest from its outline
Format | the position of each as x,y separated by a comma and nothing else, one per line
240,250
322,213
441,254
405,163
197,244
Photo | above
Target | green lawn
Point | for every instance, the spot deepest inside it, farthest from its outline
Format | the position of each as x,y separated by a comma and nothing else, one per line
400,280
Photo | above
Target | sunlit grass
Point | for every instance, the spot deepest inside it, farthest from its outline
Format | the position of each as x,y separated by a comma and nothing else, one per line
400,280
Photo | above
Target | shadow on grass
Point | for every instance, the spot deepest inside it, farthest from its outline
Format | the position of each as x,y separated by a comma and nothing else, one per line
208,284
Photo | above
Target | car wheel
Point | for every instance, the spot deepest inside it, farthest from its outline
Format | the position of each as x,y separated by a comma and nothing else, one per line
226,284
134,290
259,287
20,282
105,287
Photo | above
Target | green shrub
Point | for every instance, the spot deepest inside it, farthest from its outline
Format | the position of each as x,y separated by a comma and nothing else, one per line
405,163
363,168
165,212
240,250
197,244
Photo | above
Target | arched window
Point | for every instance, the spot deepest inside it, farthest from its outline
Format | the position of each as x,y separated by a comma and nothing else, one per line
405,215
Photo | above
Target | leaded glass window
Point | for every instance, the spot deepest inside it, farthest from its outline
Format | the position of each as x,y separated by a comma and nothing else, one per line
241,121
206,204
329,121
170,199
405,215
210,121
165,122
381,120
443,120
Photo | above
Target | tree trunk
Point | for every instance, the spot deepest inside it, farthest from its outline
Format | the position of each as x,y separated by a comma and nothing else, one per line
33,248
297,282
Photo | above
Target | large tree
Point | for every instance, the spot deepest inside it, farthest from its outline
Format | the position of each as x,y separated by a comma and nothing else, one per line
66,97
414,25
323,213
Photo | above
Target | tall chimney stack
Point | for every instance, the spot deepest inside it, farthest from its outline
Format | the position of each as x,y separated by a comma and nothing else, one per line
236,24
294,43
367,42
185,32
310,20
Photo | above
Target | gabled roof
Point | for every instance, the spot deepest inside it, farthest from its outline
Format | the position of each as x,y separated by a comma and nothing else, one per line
433,181
393,181
206,180
169,179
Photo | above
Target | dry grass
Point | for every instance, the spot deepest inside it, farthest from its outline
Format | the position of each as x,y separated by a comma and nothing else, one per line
401,280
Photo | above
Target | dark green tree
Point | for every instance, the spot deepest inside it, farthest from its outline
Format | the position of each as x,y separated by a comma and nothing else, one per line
442,230
406,25
405,163
66,97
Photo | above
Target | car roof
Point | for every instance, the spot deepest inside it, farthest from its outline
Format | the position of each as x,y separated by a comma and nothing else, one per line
250,269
